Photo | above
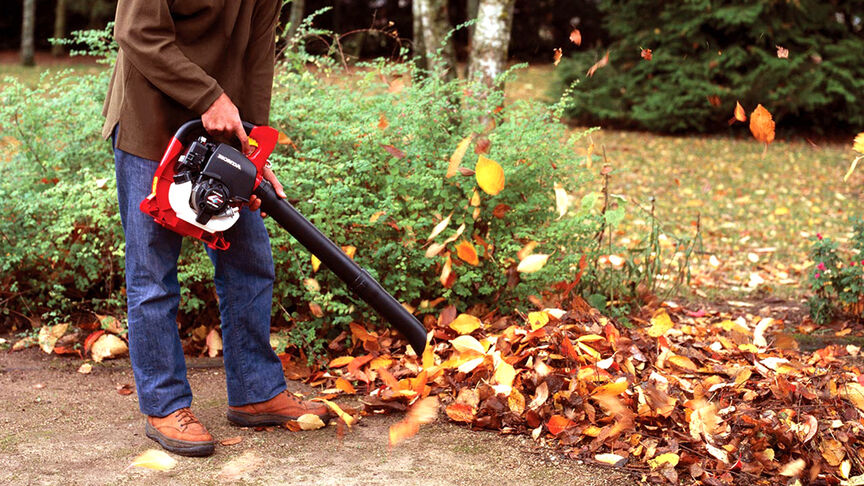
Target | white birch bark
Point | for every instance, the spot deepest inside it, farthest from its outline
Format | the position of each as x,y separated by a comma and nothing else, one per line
490,40
434,27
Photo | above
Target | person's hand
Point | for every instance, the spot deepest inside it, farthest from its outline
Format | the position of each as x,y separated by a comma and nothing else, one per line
222,120
255,203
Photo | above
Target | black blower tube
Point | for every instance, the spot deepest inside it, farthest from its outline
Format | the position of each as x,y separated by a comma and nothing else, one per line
358,280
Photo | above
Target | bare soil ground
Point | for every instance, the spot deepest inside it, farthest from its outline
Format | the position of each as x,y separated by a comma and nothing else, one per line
58,426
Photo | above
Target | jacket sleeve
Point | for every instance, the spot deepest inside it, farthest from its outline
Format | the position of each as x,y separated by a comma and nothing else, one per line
259,61
144,30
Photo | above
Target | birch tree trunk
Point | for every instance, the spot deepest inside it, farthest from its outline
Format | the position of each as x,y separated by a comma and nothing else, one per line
435,25
59,27
491,39
28,21
417,38
297,9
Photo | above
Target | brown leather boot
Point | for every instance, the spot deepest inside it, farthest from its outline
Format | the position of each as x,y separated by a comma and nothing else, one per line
181,433
282,408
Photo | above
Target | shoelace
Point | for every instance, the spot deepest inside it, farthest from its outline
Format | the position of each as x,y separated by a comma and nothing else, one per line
186,417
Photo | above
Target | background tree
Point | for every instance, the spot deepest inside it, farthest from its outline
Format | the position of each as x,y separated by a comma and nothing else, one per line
491,39
59,27
432,24
297,9
28,22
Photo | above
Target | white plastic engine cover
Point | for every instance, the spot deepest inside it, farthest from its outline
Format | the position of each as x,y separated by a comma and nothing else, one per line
178,197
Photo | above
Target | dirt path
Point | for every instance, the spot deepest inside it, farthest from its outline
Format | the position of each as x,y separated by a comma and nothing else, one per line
61,427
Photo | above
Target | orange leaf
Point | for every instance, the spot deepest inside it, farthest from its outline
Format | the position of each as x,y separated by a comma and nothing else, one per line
283,139
490,175
526,250
762,125
557,56
568,350
460,412
388,379
422,412
467,253
647,54
382,122
403,430
599,64
345,386
558,424
576,37
740,115
683,362
340,361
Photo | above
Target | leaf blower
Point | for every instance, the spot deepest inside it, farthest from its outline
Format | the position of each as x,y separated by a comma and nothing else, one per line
200,185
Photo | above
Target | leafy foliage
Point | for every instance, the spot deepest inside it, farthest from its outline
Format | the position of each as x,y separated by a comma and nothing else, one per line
708,54
837,277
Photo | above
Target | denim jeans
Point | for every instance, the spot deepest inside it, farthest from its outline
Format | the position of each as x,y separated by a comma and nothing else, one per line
243,275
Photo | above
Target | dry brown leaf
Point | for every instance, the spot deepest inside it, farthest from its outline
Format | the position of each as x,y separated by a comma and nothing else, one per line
576,37
599,64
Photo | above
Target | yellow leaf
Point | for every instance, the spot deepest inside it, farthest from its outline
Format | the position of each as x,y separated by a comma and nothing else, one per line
347,418
350,251
428,353
467,343
490,175
853,392
852,168
108,346
310,421
376,215
316,263
214,343
457,157
669,458
858,144
465,324
516,402
612,389
561,200
532,263
439,227
660,324
739,112
48,336
444,278
467,253
537,319
475,200
504,374
154,459
833,452
762,125
422,412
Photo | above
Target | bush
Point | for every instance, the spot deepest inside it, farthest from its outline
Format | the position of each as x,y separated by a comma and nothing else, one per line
708,55
837,277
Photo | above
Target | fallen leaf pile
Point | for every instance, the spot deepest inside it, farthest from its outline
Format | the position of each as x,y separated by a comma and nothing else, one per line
679,396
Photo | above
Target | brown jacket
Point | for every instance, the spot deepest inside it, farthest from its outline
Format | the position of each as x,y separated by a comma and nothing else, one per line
177,56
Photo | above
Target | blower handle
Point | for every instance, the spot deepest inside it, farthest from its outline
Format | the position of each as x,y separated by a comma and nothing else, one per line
195,128
358,280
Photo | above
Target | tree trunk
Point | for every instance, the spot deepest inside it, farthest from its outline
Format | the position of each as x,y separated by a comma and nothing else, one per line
297,9
59,27
491,39
28,21
472,8
419,46
435,25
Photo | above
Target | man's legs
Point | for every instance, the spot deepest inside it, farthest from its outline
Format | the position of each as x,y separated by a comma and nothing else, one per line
244,277
152,292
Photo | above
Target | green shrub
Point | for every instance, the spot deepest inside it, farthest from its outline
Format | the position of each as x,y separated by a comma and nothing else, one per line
837,277
725,51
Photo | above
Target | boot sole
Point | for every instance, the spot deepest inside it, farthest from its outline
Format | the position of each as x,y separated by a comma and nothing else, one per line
180,447
244,419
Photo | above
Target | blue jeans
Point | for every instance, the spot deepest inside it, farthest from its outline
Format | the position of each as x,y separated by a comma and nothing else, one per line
243,275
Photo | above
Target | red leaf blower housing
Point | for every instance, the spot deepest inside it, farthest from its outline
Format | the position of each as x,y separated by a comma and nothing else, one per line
200,186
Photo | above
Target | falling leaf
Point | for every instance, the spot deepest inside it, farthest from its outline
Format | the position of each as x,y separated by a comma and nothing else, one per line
561,200
762,125
435,248
283,139
489,175
782,52
576,37
154,459
108,346
382,122
395,152
740,115
344,416
793,468
48,336
456,158
441,226
310,421
714,100
852,168
214,343
556,56
599,64
465,324
85,368
647,54
422,412
236,468
231,441
316,263
532,263
526,250
467,253
858,144
660,324
446,272
540,397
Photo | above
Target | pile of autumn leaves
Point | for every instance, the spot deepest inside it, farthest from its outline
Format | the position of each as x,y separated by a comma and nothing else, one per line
681,396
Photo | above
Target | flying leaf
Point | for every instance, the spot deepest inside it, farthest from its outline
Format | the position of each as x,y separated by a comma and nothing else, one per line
441,226
740,115
576,37
465,324
316,263
852,168
236,468
599,64
782,52
395,152
647,54
456,158
310,421
793,468
214,343
283,139
422,412
858,144
490,175
467,253
526,250
762,125
382,122
108,346
561,200
154,459
532,263
556,57
447,278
